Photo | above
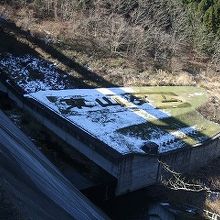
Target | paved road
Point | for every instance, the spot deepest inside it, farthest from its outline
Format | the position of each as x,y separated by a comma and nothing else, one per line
23,157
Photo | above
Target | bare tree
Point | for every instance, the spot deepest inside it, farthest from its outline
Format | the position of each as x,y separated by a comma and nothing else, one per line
177,182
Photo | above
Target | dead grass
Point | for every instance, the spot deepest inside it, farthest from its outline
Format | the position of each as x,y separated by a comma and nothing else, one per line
213,206
186,69
211,110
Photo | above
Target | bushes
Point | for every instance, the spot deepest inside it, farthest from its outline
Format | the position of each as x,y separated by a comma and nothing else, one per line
140,29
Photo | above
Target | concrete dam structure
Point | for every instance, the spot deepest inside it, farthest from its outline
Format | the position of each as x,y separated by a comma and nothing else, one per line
40,183
127,131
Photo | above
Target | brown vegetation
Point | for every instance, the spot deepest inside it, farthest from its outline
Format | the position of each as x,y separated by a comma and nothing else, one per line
127,42
147,32
133,42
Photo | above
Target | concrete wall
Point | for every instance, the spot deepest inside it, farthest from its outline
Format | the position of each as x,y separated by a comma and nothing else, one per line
136,172
88,151
133,171
139,171
192,158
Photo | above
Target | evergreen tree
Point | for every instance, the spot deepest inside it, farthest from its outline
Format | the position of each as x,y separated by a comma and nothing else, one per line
208,11
209,19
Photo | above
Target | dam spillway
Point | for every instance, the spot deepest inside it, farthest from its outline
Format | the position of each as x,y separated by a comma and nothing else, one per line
125,131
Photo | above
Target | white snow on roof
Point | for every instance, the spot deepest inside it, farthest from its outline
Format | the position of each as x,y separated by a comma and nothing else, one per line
103,113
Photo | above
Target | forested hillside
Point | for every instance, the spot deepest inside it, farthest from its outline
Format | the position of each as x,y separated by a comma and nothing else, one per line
156,30
208,11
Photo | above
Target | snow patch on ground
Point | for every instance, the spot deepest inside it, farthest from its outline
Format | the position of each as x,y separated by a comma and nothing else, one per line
34,74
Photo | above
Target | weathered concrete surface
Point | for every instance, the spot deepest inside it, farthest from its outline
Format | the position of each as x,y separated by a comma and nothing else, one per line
136,172
133,171
54,197
133,120
192,158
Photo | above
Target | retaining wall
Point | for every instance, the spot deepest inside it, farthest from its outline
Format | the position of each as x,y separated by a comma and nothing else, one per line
191,158
132,171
